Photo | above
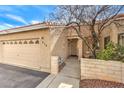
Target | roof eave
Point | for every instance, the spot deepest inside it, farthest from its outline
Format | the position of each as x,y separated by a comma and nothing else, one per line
23,29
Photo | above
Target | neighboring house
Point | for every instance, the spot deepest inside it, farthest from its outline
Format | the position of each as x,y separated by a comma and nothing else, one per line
32,46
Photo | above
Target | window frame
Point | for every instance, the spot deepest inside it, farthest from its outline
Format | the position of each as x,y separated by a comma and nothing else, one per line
105,38
119,37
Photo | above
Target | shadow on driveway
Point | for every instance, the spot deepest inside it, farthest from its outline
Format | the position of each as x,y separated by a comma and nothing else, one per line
16,77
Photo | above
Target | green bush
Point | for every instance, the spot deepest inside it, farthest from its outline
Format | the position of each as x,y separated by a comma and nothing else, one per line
119,53
112,52
107,54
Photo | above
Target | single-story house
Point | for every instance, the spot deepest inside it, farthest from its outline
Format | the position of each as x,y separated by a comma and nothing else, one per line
32,46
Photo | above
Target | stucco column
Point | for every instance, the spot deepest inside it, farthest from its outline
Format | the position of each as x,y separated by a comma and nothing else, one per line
79,47
54,65
114,34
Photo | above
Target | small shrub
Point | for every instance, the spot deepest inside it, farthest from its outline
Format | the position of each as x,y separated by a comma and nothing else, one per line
112,52
107,54
119,53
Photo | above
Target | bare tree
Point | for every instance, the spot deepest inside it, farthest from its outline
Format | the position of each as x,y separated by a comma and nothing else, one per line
97,18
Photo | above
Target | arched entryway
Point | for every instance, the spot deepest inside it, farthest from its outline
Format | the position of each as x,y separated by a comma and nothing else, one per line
75,47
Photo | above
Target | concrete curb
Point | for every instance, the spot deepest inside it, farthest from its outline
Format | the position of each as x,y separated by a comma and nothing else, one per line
47,81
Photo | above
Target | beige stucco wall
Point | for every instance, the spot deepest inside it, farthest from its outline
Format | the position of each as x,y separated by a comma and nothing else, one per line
59,43
105,33
113,31
61,46
27,55
60,38
81,46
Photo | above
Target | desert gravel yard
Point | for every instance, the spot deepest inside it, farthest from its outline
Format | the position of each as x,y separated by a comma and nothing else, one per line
16,77
96,83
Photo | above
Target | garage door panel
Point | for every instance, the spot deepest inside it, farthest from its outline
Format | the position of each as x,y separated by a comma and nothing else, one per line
22,54
22,59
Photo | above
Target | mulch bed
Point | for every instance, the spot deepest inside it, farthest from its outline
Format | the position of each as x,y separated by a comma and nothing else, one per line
96,83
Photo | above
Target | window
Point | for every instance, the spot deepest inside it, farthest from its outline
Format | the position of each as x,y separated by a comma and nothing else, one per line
106,41
25,42
15,42
7,42
37,42
20,42
3,43
121,39
31,42
11,42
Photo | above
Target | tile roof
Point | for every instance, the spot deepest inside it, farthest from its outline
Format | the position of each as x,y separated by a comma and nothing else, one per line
25,28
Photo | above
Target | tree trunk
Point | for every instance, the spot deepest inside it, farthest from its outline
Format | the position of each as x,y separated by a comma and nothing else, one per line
94,53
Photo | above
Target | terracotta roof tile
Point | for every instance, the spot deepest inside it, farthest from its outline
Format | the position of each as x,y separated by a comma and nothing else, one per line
120,15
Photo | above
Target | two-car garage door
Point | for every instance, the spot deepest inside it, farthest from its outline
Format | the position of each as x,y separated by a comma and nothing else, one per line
26,52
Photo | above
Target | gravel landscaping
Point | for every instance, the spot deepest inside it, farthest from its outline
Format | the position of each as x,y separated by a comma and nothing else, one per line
96,83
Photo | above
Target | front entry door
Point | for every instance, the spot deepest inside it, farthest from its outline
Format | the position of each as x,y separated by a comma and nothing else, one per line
73,47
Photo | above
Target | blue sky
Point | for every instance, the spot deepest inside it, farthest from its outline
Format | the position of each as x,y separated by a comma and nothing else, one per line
19,15
14,16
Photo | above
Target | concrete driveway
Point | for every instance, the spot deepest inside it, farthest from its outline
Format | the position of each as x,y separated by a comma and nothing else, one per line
16,77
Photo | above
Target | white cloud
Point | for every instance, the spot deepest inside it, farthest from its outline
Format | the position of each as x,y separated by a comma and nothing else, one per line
8,25
35,21
3,27
17,18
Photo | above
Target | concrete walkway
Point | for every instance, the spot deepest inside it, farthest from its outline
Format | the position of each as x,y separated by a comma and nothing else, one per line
68,77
